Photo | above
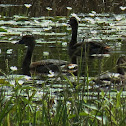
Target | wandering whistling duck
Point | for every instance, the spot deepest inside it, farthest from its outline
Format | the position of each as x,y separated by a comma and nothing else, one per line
43,66
79,49
119,77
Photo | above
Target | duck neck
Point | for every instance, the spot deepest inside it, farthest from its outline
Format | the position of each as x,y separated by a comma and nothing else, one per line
27,61
74,59
74,36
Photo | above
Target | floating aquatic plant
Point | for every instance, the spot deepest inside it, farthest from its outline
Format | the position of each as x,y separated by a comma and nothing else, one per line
36,21
12,82
51,74
118,17
27,77
27,5
49,8
45,53
13,68
47,29
64,24
20,82
64,44
122,8
90,20
69,8
9,51
92,14
75,15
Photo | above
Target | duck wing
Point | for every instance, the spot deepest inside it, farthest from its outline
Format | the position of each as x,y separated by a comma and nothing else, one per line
44,66
90,48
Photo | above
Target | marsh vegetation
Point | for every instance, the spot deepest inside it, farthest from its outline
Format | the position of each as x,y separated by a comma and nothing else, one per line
61,100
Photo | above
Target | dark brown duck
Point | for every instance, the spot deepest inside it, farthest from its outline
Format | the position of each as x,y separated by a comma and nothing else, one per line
78,49
119,77
43,66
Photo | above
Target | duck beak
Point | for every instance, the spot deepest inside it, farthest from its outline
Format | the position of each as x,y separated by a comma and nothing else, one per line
16,43
19,42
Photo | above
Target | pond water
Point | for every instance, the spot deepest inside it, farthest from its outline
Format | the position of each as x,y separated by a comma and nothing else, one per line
53,34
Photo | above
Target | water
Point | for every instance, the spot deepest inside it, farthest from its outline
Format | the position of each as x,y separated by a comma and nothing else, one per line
53,34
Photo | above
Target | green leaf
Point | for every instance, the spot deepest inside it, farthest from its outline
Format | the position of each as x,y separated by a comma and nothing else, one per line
3,30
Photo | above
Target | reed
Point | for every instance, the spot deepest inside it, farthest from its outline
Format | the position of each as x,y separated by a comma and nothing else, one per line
77,105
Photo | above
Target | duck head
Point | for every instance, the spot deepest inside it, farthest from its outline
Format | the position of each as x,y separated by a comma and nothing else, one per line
73,22
28,40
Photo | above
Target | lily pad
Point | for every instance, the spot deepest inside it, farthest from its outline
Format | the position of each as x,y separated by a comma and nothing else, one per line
3,30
